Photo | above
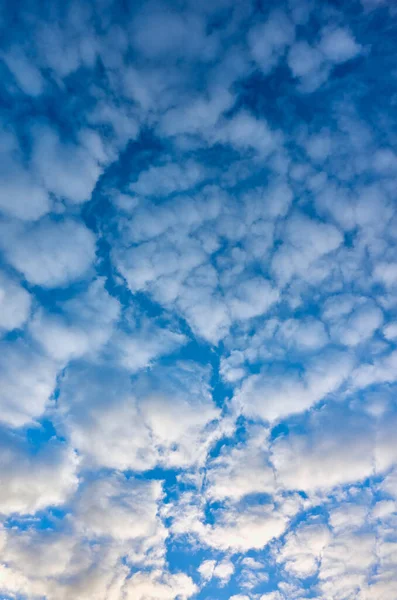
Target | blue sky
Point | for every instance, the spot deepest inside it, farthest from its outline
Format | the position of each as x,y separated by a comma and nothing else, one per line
198,300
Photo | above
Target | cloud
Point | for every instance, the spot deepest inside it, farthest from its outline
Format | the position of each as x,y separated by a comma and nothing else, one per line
239,531
15,304
167,179
139,350
273,396
142,425
67,170
312,63
26,73
245,132
197,301
159,31
82,328
268,41
22,195
352,320
126,512
50,253
241,470
338,45
304,242
32,482
315,461
303,549
210,569
24,399
156,586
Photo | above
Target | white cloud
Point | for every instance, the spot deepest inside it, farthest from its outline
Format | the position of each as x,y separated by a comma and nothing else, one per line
67,170
252,298
269,40
308,65
241,470
390,331
245,132
222,570
82,328
26,73
138,427
58,566
49,253
206,569
303,548
386,273
303,59
124,510
358,319
273,396
158,32
338,45
169,178
381,370
313,64
15,304
21,193
240,531
23,399
139,349
159,586
231,233
304,242
33,481
317,459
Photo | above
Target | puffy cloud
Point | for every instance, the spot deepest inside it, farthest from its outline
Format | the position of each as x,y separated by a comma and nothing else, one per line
82,328
159,586
222,570
22,195
50,253
137,427
252,298
240,531
57,565
33,481
138,350
316,460
269,40
26,73
197,301
304,242
159,31
272,396
245,132
15,304
24,399
352,320
380,370
312,64
303,59
124,510
303,549
67,170
167,179
241,470
338,45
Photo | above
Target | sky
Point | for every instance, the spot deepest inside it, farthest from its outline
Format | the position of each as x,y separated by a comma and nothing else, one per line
198,300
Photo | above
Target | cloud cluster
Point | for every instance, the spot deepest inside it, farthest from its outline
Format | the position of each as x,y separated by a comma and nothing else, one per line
198,286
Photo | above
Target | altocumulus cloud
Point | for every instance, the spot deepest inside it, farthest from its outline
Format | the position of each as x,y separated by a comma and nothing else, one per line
198,291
